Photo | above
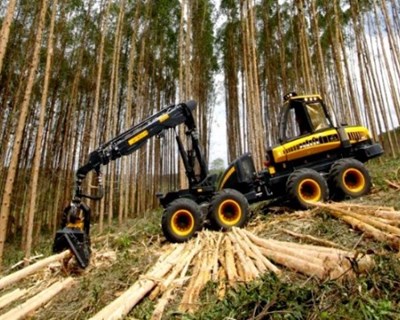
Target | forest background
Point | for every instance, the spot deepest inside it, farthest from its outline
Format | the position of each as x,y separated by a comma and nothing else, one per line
74,74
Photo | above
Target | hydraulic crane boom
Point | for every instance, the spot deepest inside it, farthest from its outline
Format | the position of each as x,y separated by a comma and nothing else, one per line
75,224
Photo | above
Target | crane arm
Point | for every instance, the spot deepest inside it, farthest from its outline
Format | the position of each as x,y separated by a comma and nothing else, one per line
132,139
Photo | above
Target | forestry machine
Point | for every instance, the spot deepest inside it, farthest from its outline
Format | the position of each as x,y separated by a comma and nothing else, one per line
314,159
185,210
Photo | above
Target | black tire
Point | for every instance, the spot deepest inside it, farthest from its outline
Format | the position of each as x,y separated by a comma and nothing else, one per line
181,220
305,187
228,208
349,178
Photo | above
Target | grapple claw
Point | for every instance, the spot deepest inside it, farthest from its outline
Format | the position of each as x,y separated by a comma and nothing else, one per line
74,234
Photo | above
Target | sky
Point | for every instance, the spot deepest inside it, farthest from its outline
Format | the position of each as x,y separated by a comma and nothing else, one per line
218,140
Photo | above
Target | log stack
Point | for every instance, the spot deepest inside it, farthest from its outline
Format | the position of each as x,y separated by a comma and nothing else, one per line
379,223
37,296
228,259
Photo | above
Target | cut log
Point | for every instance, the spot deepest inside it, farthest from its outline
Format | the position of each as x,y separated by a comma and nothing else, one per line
12,296
161,304
381,212
243,242
366,219
222,283
183,260
121,306
197,248
256,252
285,249
296,264
215,267
373,232
250,270
16,276
362,206
369,230
187,295
231,270
37,301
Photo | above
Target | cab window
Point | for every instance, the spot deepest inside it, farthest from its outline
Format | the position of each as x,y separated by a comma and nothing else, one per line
317,116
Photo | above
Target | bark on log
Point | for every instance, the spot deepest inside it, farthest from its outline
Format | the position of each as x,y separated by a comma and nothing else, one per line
16,276
37,301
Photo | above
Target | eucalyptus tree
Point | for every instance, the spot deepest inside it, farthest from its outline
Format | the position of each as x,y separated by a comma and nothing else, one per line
12,170
5,30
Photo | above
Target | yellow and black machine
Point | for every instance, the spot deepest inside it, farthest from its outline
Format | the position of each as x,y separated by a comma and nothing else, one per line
185,210
314,159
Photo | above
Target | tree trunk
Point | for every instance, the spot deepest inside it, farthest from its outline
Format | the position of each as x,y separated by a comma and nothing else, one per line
39,137
5,30
5,205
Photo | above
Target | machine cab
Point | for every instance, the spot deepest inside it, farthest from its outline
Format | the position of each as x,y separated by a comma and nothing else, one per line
302,115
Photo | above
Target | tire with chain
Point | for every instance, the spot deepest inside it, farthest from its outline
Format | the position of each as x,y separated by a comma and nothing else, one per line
305,187
228,208
181,220
349,178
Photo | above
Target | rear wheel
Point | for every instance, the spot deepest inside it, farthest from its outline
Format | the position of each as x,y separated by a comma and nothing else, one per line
349,178
181,219
228,208
305,187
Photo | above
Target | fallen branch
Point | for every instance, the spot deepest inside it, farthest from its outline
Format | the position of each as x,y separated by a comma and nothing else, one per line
37,301
392,184
16,276
314,239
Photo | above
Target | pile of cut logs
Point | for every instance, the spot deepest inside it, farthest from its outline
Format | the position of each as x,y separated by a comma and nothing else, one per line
380,223
227,259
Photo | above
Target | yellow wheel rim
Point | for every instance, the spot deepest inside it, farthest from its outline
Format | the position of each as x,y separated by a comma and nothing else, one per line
309,190
229,212
353,180
182,222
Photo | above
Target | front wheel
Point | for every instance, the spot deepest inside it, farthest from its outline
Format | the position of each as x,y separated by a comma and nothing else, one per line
228,208
349,177
305,187
181,219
